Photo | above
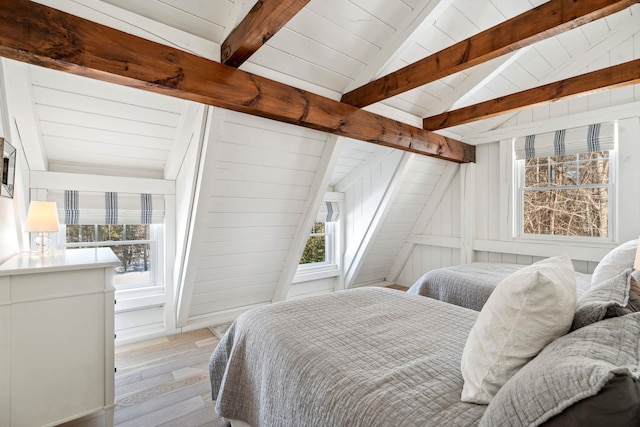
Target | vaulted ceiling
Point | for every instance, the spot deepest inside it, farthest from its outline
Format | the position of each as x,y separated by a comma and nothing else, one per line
326,48
117,87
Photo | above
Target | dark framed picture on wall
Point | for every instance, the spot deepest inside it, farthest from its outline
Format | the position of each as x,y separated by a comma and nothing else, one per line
7,168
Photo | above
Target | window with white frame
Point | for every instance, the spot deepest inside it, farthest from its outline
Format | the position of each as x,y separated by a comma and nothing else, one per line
320,256
135,245
130,224
319,249
566,183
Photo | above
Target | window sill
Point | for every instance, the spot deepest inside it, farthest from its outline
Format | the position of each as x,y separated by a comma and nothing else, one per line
585,242
308,274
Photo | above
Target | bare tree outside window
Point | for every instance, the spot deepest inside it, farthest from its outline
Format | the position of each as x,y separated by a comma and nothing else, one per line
567,195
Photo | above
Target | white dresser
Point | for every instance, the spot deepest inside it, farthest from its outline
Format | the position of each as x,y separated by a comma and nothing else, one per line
56,337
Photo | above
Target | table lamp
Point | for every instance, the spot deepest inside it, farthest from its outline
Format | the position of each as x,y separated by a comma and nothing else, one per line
42,218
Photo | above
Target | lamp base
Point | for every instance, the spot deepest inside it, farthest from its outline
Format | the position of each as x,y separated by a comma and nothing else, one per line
42,245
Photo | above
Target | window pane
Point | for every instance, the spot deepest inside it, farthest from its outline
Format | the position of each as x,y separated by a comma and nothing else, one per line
135,265
564,174
315,251
577,212
561,159
110,232
537,175
538,161
318,227
137,232
80,233
118,233
594,156
594,172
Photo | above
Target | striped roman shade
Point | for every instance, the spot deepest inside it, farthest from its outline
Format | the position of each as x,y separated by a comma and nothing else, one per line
87,208
328,212
586,139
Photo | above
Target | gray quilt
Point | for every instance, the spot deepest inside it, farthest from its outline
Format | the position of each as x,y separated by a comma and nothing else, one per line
469,285
364,357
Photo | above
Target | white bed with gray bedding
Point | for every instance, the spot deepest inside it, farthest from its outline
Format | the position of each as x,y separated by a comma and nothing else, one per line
365,357
379,357
469,285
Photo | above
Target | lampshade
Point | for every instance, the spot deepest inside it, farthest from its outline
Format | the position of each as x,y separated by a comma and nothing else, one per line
636,265
42,217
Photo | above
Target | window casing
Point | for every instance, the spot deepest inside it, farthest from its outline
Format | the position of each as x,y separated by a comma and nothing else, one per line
569,197
319,249
320,257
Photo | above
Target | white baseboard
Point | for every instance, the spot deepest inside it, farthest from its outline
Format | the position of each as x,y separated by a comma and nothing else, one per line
376,284
218,318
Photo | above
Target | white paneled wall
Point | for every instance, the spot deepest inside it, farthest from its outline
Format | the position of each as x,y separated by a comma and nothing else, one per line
259,177
573,112
129,324
8,229
315,287
446,220
186,181
353,154
364,201
413,190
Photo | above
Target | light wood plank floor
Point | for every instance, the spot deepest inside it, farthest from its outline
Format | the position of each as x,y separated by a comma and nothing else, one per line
163,382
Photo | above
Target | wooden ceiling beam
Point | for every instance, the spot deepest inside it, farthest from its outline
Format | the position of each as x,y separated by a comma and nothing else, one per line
43,36
542,22
625,74
264,19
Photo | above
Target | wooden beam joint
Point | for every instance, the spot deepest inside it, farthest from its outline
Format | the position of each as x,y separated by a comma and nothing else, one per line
262,22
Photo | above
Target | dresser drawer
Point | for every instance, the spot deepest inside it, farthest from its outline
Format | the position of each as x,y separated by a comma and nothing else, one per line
58,284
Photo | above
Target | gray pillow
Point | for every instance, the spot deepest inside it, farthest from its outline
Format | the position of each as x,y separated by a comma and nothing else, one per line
571,369
597,301
616,404
633,305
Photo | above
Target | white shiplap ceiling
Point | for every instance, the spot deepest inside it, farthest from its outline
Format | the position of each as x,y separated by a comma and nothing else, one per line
203,18
101,125
329,47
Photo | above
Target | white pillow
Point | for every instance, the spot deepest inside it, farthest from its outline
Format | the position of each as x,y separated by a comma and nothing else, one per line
615,262
526,311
